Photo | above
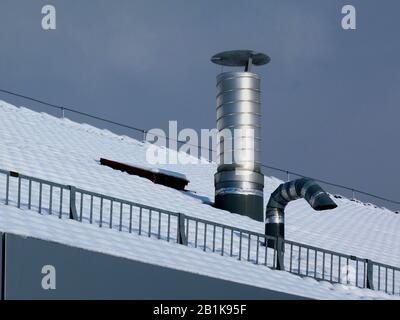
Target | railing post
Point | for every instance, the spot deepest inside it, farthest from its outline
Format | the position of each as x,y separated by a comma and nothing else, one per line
280,253
13,174
182,239
72,203
370,274
7,187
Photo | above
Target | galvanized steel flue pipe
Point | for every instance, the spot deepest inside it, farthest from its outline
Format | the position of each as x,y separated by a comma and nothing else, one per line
239,182
301,188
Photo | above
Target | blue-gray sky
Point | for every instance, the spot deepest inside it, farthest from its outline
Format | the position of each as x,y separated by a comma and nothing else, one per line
330,96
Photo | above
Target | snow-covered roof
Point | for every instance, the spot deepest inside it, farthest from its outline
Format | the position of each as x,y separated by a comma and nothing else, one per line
66,152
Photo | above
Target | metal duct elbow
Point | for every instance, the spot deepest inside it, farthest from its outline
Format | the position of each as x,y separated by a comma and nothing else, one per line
301,188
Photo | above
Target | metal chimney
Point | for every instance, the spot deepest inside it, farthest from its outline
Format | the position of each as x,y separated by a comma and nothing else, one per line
239,183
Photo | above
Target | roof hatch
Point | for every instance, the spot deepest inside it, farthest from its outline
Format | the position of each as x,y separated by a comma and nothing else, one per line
160,176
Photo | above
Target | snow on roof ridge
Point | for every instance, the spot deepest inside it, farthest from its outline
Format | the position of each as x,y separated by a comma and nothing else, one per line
88,128
351,228
91,129
366,204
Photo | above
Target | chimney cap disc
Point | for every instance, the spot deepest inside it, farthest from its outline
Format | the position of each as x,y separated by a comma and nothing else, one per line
240,58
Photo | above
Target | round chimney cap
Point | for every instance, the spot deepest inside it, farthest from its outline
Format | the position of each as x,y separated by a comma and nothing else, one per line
240,58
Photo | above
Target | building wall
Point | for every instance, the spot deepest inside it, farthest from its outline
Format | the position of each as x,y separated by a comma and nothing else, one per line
2,262
83,274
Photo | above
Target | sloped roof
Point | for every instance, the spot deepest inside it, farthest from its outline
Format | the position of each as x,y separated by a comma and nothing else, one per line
63,151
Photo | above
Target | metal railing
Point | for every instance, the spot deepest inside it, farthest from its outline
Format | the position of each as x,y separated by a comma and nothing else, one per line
353,192
65,201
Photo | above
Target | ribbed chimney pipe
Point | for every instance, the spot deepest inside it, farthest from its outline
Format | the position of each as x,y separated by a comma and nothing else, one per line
239,182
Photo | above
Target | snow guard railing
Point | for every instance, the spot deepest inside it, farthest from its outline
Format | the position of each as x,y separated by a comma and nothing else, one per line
69,202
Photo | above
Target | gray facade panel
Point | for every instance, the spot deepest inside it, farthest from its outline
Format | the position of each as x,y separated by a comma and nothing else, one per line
83,274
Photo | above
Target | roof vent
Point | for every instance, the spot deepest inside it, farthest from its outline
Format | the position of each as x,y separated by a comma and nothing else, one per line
305,188
239,183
